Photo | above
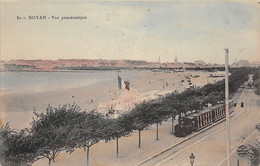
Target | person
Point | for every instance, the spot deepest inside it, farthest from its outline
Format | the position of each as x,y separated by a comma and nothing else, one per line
242,104
193,125
235,104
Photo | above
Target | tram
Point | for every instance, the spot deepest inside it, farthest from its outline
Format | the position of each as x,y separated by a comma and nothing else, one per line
202,119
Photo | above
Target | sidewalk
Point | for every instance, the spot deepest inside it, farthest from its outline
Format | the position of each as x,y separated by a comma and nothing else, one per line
243,161
129,154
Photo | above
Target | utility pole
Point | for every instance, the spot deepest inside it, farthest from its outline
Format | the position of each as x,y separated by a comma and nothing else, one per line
159,62
227,111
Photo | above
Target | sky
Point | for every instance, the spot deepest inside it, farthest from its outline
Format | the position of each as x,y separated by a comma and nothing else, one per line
136,30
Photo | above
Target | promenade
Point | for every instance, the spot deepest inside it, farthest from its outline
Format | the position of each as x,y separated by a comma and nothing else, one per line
170,150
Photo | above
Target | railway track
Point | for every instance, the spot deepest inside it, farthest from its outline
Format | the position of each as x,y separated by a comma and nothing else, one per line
242,97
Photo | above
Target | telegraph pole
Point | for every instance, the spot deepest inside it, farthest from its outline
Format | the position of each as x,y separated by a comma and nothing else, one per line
159,62
227,111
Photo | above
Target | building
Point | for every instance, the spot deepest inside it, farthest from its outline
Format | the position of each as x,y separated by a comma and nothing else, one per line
175,60
200,62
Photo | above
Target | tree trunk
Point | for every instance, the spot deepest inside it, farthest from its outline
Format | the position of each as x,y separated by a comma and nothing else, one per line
157,132
49,162
53,160
116,146
172,125
88,155
139,138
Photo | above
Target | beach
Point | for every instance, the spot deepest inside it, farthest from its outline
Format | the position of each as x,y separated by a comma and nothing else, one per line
17,109
17,106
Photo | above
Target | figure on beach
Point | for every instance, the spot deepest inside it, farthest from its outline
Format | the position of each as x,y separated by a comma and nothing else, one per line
119,82
127,85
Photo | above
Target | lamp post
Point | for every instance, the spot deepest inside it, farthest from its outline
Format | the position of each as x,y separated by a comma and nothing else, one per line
192,157
227,110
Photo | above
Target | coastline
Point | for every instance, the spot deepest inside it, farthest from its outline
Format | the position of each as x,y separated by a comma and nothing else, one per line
17,108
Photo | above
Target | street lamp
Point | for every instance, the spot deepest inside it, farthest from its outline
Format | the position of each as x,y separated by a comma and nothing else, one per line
192,157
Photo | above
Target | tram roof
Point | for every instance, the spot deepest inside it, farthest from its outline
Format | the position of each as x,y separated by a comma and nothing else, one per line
206,110
216,106
202,112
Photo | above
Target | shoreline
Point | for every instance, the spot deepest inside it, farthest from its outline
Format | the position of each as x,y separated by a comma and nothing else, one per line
120,68
17,108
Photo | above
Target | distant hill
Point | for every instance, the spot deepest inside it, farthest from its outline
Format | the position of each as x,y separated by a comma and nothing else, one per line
101,64
69,64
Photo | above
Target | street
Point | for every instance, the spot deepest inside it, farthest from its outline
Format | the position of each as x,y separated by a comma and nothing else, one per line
209,147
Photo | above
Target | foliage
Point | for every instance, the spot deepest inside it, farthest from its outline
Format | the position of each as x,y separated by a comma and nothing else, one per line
52,129
257,86
116,128
156,111
89,129
17,147
254,154
67,128
140,116
256,73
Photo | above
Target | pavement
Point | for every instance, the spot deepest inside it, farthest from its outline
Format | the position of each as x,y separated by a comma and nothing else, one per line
209,147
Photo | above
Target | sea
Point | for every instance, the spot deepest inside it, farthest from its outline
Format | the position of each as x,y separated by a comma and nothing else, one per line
14,82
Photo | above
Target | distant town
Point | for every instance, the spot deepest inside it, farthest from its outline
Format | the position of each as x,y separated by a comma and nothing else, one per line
100,64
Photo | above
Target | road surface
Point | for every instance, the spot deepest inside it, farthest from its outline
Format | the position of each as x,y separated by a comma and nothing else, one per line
209,147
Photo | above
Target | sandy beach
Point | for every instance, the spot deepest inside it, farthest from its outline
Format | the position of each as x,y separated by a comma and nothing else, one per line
17,109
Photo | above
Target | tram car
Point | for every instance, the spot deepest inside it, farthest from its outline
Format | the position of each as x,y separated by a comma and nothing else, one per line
202,119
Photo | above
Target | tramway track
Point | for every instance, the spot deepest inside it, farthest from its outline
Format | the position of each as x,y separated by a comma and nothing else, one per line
234,120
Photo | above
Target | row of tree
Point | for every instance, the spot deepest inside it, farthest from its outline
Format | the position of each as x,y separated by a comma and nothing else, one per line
68,127
256,79
254,154
57,129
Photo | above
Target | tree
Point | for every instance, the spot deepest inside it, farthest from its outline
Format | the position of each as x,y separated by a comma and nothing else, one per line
158,113
254,154
52,129
116,128
170,102
17,147
257,86
89,130
139,116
